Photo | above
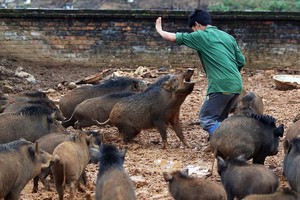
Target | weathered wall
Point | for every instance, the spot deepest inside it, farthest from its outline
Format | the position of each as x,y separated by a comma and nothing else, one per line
129,38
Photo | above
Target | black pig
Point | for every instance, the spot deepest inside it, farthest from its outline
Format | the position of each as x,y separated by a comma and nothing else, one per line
156,107
241,179
112,181
283,194
254,136
184,187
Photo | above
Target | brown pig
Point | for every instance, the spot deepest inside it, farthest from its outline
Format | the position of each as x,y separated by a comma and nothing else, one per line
92,109
184,187
30,123
15,102
20,161
292,132
291,164
50,142
156,107
69,101
73,158
249,103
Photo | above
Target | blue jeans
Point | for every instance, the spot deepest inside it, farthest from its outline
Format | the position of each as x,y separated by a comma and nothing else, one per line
215,109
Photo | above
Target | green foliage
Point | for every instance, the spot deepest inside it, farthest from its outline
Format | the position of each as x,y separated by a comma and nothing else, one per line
256,5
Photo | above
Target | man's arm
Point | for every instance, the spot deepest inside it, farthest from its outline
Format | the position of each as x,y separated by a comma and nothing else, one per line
164,34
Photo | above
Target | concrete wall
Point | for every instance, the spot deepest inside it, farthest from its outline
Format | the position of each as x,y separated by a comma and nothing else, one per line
127,38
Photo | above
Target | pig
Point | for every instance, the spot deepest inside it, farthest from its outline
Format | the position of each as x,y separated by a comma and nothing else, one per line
283,194
254,136
97,108
184,187
20,161
14,102
112,180
291,165
49,142
292,132
241,179
235,103
73,157
250,103
31,123
69,101
156,107
18,106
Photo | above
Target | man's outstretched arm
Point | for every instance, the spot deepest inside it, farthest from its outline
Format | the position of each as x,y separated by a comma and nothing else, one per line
164,34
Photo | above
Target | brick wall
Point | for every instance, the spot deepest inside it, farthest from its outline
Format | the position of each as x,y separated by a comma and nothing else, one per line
127,38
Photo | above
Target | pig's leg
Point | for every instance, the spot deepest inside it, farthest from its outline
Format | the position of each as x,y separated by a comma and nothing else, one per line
43,176
161,127
259,159
35,184
72,190
13,195
84,178
230,196
175,123
59,189
128,133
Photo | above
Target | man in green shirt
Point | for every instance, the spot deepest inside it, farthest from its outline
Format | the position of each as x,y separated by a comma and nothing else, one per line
222,61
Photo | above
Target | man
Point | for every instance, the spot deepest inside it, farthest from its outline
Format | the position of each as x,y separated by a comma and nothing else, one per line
222,61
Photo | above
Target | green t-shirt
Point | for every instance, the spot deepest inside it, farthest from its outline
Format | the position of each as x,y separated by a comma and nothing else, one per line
220,57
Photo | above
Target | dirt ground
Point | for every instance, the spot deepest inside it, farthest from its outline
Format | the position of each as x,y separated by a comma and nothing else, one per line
145,159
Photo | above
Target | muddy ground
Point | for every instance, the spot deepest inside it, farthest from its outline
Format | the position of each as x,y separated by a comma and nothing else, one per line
145,159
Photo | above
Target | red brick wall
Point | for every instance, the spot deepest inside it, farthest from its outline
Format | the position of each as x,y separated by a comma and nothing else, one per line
129,38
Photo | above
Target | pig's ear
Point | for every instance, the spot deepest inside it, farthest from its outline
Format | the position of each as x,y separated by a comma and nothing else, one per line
123,153
36,147
73,137
167,86
289,146
135,86
31,151
241,158
286,145
51,117
221,163
88,139
94,155
279,130
184,173
168,177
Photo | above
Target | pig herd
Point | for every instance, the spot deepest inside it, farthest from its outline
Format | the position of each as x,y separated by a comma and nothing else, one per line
35,141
